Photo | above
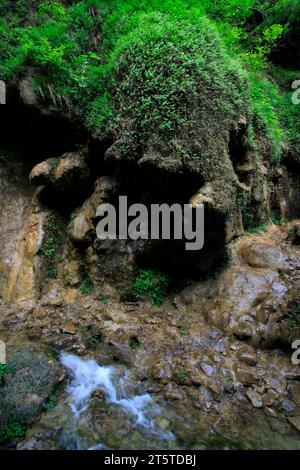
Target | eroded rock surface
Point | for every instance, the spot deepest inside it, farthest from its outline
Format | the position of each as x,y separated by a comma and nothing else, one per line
212,353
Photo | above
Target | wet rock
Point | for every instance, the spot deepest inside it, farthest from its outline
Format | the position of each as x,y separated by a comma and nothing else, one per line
279,426
44,438
32,380
99,395
163,423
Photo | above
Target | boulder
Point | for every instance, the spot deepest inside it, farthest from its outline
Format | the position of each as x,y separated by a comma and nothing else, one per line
262,255
33,375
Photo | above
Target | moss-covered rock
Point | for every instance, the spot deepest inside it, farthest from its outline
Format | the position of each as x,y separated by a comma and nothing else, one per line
32,376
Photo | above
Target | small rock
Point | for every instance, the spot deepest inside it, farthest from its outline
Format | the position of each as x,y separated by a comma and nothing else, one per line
262,255
69,328
248,356
294,393
254,397
173,395
209,370
35,333
294,234
162,373
99,395
246,376
270,412
269,398
288,405
163,423
39,313
292,374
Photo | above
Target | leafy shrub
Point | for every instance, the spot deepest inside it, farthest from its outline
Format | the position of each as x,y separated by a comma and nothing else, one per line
137,61
12,430
182,376
259,229
148,284
86,287
50,403
4,369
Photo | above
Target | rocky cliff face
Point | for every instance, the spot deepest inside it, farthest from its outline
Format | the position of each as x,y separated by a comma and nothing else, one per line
219,347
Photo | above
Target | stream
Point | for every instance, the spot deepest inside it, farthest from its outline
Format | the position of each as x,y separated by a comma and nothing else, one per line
139,414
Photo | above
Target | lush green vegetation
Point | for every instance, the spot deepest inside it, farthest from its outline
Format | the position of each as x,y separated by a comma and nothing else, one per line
183,377
135,61
50,402
148,283
4,369
13,429
51,247
94,336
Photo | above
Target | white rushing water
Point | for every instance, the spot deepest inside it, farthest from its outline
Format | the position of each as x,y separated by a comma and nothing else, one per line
87,376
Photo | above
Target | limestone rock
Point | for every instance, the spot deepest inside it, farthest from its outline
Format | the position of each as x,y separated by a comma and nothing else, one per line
82,225
67,174
262,255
